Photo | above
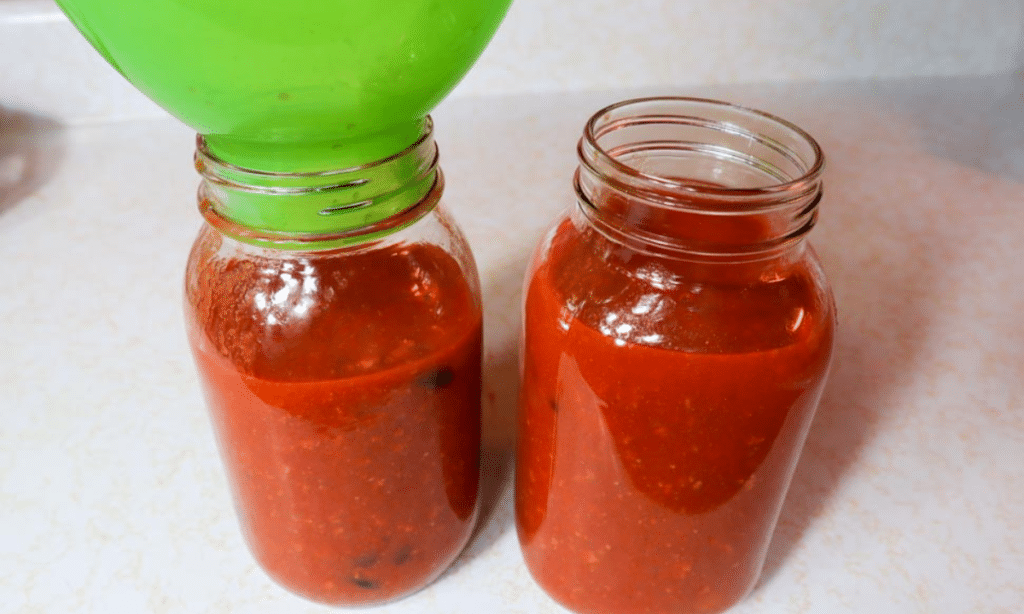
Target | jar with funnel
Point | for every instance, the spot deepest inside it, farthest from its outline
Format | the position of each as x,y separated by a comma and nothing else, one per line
332,304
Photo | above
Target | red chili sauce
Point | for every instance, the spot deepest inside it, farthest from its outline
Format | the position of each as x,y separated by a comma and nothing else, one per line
345,392
663,407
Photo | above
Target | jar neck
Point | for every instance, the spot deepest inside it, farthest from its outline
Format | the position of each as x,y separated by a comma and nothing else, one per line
320,209
698,179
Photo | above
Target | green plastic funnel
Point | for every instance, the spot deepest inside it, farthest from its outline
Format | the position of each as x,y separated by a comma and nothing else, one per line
293,85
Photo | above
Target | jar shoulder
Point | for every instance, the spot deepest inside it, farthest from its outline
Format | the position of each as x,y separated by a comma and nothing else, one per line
332,313
677,304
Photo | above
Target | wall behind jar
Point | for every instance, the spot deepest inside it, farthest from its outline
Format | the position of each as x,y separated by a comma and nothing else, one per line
47,68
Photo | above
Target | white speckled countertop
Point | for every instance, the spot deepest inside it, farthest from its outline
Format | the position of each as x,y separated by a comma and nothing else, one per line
909,496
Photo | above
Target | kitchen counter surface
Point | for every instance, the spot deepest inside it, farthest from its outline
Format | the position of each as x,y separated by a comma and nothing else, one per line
909,496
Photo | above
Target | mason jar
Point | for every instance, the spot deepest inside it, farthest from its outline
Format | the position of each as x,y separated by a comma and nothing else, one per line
335,318
678,331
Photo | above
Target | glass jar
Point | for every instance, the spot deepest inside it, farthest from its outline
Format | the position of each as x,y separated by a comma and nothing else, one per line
341,368
678,332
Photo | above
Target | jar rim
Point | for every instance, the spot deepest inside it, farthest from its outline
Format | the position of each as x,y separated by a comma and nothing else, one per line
601,123
333,205
206,159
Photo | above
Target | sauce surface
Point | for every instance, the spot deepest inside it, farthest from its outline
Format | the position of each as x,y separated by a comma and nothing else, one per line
663,407
345,392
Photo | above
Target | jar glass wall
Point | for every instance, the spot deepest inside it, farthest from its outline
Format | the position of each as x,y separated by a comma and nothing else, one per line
677,336
342,375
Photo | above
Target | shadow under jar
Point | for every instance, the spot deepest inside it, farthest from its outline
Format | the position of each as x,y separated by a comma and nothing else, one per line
341,369
678,332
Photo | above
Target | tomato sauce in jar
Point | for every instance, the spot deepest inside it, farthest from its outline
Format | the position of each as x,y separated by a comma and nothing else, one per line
677,337
344,388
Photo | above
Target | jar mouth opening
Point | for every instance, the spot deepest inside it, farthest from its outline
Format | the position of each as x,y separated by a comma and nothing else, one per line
787,160
330,206
212,167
